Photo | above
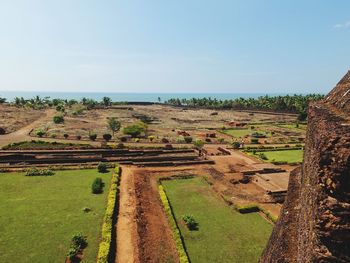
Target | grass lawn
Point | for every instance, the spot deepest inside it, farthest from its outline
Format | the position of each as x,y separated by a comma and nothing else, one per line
293,127
224,235
39,215
290,156
240,132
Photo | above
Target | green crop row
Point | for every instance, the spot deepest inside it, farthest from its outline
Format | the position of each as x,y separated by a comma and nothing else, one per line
183,257
106,239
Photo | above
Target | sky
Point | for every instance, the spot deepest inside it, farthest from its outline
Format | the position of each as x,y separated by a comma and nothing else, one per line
212,46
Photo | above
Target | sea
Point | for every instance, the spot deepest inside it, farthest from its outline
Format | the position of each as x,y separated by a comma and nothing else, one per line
129,97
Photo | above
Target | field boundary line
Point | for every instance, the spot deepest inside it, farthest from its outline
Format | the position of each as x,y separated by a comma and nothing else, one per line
180,245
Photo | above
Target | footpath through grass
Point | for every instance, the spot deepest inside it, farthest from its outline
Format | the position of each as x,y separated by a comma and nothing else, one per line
224,235
39,215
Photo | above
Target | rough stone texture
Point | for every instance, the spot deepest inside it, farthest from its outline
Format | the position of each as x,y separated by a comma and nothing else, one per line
314,224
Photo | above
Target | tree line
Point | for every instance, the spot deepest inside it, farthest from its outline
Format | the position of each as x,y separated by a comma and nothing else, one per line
289,103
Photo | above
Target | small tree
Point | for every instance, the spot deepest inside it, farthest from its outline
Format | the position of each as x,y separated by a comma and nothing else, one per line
40,133
58,119
107,137
113,125
133,130
106,101
97,186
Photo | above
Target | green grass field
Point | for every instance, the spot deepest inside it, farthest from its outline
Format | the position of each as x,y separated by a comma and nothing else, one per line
240,132
39,215
224,235
293,127
290,156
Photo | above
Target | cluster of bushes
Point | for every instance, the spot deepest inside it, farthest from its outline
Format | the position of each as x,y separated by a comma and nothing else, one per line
135,130
106,239
97,186
190,222
183,257
39,172
78,243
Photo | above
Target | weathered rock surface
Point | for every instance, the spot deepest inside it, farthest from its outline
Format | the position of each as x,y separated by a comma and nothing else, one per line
314,224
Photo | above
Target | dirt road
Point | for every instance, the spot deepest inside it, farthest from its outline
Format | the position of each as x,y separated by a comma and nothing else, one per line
126,226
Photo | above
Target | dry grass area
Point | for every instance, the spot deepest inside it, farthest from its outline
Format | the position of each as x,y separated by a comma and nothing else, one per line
165,122
13,118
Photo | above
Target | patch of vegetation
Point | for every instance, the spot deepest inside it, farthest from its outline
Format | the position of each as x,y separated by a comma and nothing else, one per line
106,239
102,167
285,156
78,243
58,119
190,222
114,125
50,209
135,130
42,145
97,186
39,172
224,234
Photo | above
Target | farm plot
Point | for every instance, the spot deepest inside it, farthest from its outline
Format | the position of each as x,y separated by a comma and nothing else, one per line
223,235
40,214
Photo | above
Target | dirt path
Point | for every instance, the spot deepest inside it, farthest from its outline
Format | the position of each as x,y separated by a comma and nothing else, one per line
23,133
127,251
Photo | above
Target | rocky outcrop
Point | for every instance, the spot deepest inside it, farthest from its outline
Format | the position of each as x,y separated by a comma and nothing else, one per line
314,224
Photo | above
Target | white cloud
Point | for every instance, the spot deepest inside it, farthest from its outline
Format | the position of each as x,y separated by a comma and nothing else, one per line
343,25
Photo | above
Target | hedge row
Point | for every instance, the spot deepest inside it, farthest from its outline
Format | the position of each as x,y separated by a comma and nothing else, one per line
272,149
183,257
105,244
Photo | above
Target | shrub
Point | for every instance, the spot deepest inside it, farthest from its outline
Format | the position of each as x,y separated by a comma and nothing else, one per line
92,136
66,135
198,144
120,146
221,140
107,137
79,240
137,140
236,145
188,139
123,139
151,138
97,186
58,119
134,130
54,135
40,133
190,222
254,140
38,172
2,131
60,108
102,167
79,137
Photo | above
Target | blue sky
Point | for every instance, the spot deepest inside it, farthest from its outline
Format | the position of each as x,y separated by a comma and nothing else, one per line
294,46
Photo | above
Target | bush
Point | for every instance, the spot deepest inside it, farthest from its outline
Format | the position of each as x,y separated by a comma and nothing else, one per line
102,167
92,136
198,144
58,119
38,172
40,133
236,145
188,139
79,137
66,135
79,240
190,222
97,186
120,146
2,131
106,239
165,140
123,139
107,137
151,138
134,130
254,140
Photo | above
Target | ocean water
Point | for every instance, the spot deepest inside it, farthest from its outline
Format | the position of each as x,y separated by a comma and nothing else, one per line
130,97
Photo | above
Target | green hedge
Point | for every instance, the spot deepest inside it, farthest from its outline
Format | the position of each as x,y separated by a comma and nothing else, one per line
251,208
183,257
106,239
